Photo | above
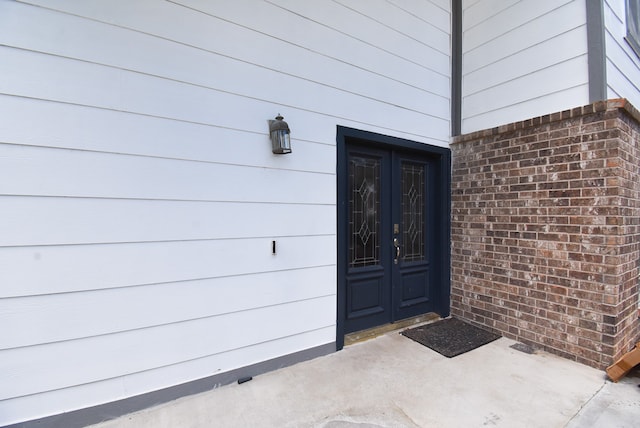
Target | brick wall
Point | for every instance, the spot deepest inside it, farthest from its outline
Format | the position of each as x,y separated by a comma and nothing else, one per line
545,230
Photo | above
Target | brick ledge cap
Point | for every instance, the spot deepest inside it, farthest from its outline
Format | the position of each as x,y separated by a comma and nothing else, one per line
624,104
611,104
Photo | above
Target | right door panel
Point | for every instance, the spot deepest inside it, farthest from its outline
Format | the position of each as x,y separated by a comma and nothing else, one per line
411,231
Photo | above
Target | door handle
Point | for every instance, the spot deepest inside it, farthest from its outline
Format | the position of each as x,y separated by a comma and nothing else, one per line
397,245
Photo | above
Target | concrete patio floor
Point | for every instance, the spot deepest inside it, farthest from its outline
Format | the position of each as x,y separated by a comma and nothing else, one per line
392,381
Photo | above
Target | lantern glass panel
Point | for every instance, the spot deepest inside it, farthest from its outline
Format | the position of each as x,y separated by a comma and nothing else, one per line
281,141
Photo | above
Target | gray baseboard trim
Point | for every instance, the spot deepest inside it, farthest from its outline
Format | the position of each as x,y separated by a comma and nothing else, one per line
104,412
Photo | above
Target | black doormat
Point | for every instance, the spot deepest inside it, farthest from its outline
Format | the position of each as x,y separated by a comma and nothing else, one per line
450,337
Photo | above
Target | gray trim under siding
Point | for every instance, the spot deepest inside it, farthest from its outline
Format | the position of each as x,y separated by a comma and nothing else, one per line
597,59
104,412
456,67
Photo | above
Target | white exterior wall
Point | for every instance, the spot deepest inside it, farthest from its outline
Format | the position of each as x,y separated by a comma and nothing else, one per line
623,64
138,191
521,59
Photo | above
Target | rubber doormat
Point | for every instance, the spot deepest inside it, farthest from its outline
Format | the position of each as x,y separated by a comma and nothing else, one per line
450,337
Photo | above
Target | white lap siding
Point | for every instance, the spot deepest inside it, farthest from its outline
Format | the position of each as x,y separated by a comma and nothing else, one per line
139,196
623,63
522,59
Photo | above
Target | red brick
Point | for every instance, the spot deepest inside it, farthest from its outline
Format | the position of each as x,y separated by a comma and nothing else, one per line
546,230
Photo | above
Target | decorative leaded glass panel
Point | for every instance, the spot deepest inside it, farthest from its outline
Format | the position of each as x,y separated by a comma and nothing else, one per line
413,185
364,211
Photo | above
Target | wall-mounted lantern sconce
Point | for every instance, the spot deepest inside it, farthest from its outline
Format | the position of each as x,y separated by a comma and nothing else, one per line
280,136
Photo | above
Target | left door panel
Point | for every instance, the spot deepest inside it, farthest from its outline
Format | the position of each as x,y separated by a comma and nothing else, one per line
368,297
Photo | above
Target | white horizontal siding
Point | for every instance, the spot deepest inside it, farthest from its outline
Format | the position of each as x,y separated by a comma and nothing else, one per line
90,129
29,370
435,13
35,221
61,317
475,12
360,68
27,74
558,78
359,19
335,37
38,171
547,54
523,109
68,268
522,59
140,196
80,396
623,64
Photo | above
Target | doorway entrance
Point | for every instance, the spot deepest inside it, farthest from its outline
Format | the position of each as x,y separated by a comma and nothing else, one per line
393,230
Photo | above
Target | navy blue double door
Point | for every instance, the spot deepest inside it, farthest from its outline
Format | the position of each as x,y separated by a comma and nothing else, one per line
392,249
